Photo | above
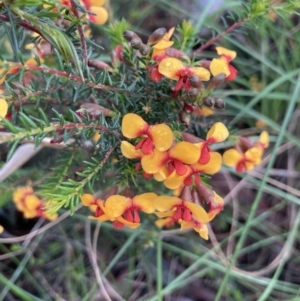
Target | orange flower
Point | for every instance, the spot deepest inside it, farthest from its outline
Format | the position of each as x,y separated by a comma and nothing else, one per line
30,205
97,206
180,209
198,227
174,69
158,136
125,210
1,229
217,133
174,181
176,158
247,160
221,65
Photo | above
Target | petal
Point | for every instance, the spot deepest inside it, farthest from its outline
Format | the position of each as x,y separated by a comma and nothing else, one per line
1,229
161,175
87,199
3,107
163,44
218,66
254,155
174,180
165,222
233,73
185,152
218,131
164,214
212,167
127,223
128,150
102,218
101,15
166,203
32,202
154,162
226,52
199,213
186,225
21,192
93,2
117,204
162,136
169,34
264,139
169,67
202,73
145,202
203,231
133,126
232,157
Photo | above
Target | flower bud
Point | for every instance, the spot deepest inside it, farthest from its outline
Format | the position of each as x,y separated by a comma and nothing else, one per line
217,81
144,49
193,92
129,35
220,103
206,194
173,52
196,82
209,102
156,36
136,43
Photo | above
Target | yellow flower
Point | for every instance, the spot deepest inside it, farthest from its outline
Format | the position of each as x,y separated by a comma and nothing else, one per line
30,205
158,136
1,229
217,133
221,65
198,227
125,210
174,69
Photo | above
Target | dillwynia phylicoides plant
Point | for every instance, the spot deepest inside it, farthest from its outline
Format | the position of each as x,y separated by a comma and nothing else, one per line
123,124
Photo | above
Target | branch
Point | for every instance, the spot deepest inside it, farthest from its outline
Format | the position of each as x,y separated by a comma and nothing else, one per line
217,37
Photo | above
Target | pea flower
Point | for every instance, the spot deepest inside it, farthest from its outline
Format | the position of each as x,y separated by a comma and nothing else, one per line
175,181
174,69
125,210
217,133
1,229
197,226
221,65
158,136
176,158
102,214
30,205
247,160
179,209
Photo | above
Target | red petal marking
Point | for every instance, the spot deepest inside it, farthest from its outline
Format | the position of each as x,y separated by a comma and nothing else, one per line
136,217
205,156
147,175
148,146
99,212
241,166
188,108
128,215
178,85
181,169
138,166
187,85
140,144
155,75
170,167
118,225
188,181
187,216
228,58
177,215
197,178
233,73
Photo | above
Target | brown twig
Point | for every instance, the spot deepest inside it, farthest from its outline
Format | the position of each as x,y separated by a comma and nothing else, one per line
217,37
81,33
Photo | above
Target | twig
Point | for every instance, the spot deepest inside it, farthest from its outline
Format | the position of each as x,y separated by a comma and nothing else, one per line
81,33
217,37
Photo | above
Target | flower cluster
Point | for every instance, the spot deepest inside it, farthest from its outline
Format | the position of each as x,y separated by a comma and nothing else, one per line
123,211
246,154
31,205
